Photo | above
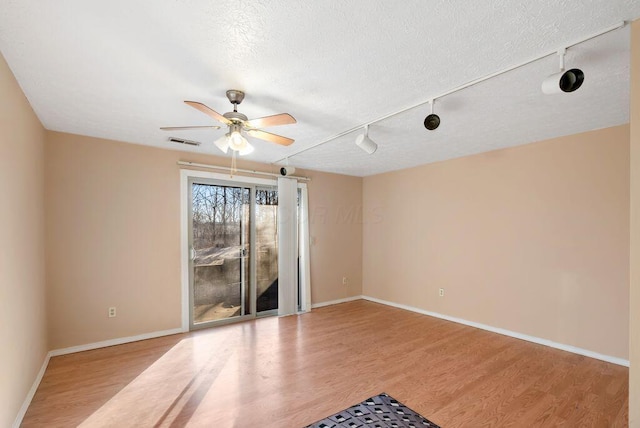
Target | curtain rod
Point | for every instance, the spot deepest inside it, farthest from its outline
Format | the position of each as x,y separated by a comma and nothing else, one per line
244,171
457,88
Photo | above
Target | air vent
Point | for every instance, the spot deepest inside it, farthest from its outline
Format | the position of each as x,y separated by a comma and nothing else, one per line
183,141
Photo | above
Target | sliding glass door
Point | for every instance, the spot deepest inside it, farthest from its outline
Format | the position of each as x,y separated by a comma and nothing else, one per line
266,220
233,246
220,232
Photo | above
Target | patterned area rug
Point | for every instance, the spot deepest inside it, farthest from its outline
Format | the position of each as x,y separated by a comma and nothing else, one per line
381,411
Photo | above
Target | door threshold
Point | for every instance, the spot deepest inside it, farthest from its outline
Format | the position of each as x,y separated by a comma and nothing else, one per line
271,313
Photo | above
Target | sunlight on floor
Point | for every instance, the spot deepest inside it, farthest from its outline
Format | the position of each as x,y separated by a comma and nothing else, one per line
204,374
162,392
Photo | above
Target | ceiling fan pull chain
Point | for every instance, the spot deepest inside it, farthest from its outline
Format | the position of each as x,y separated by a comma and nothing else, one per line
233,164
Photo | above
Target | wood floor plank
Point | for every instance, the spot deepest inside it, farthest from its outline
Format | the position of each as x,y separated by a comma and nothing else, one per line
292,371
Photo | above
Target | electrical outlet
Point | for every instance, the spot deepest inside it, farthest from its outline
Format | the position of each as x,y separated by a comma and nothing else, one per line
112,312
441,292
345,280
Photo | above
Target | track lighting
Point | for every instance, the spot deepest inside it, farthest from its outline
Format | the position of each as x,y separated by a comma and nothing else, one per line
432,121
365,143
564,81
287,170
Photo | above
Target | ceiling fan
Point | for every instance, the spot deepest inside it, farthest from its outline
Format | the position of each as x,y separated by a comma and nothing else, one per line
238,123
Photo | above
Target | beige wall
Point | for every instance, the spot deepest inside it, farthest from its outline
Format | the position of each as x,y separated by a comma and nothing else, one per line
533,239
23,341
634,327
335,232
113,237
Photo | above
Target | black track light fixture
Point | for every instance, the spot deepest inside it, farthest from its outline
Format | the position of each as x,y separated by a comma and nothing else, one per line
432,121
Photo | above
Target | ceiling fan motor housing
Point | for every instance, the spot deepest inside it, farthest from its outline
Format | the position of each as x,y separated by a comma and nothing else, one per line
234,116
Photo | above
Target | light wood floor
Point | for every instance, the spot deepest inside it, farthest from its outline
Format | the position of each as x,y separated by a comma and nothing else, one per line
292,371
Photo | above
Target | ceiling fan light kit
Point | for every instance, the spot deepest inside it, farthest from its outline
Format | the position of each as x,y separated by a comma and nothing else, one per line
240,144
235,141
223,143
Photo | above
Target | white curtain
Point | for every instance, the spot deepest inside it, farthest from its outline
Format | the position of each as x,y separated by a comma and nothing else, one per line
287,246
303,233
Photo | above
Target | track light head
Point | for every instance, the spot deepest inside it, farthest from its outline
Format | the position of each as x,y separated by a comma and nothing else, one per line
432,121
565,81
365,143
287,170
571,80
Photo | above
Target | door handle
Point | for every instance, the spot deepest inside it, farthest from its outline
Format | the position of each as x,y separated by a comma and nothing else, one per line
192,254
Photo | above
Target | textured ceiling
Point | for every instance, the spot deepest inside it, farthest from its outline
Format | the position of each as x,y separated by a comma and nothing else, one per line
121,69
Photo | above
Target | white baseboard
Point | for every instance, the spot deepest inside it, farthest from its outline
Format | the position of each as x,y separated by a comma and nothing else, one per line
335,302
538,340
112,342
34,387
122,340
80,348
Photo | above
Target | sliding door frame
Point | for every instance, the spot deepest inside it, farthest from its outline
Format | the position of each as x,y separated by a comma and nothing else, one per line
186,178
250,288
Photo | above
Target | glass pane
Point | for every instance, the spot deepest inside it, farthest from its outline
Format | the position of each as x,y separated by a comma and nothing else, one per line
267,249
221,244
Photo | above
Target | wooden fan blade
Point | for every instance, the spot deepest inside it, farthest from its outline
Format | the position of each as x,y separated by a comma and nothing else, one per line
208,111
264,135
275,120
179,128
